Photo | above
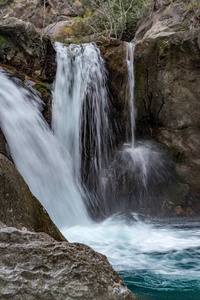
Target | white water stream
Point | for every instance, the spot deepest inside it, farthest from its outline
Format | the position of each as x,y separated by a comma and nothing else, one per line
39,156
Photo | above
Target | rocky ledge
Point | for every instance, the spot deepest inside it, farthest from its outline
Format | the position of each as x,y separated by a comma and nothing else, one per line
23,46
35,266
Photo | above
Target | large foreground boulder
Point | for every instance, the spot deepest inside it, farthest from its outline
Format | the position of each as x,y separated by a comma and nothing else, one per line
35,266
19,208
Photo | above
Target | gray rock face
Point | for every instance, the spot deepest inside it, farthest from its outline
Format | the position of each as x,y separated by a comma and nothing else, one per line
114,52
19,208
23,46
34,266
167,87
36,13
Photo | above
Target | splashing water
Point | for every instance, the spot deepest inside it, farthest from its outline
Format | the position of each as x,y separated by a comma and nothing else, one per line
158,260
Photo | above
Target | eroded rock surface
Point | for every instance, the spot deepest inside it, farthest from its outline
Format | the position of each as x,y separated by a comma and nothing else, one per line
35,266
42,15
19,208
167,87
24,47
114,52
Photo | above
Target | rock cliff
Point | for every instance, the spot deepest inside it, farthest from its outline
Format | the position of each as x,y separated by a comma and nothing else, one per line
167,63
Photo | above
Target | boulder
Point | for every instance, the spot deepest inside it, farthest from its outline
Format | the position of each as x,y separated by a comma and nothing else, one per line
167,63
35,266
19,208
24,47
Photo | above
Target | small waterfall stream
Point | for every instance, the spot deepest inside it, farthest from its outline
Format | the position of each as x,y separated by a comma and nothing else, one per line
130,89
73,169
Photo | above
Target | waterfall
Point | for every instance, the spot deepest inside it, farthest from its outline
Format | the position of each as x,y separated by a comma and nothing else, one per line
38,155
130,88
138,172
80,114
74,169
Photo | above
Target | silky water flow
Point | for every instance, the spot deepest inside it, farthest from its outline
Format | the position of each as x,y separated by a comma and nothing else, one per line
158,259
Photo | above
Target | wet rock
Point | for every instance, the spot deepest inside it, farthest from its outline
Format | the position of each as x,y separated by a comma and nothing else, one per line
35,266
114,52
19,208
167,63
24,47
179,210
3,149
46,96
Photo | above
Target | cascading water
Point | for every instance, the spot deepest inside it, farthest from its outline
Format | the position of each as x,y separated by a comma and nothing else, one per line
157,259
40,158
80,113
80,107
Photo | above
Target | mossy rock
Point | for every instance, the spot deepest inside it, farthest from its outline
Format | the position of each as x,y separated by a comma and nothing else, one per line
46,97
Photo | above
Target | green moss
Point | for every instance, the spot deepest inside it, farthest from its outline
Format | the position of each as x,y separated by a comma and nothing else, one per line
42,88
5,2
163,46
1,43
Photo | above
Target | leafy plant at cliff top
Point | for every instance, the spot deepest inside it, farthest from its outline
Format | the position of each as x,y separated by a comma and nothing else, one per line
116,17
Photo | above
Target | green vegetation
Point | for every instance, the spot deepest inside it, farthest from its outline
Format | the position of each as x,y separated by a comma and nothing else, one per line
77,29
1,43
118,18
5,2
193,4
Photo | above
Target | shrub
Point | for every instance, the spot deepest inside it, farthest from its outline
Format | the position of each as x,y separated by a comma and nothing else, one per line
115,17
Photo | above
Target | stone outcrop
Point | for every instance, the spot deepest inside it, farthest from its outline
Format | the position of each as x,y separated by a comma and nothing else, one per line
19,208
39,15
24,47
35,266
167,62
